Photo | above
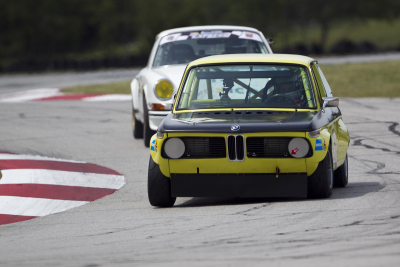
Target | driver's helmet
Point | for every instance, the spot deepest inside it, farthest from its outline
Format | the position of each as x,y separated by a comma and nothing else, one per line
228,83
287,87
235,46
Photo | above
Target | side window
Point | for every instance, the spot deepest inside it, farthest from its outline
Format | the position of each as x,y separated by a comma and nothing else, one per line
327,88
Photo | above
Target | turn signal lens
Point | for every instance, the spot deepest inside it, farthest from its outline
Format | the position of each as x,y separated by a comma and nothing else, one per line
160,135
164,89
314,134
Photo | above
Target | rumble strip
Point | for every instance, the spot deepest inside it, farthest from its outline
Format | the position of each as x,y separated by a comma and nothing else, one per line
35,186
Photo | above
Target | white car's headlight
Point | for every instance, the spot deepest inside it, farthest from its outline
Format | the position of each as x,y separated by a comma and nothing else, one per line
174,148
164,89
298,147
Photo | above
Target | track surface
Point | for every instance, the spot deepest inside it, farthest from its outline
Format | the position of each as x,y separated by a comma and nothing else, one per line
358,226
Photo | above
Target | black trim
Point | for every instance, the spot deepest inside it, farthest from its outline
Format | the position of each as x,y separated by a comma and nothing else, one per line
266,121
200,147
272,147
239,185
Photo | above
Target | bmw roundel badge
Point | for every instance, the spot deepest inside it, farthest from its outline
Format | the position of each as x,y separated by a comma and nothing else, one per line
235,127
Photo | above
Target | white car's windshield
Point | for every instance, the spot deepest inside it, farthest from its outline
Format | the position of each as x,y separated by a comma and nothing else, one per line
181,48
247,86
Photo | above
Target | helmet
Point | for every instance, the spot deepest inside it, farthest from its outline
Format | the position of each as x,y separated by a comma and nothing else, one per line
287,87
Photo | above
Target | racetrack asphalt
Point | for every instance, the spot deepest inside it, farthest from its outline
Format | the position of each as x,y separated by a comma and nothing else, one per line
358,226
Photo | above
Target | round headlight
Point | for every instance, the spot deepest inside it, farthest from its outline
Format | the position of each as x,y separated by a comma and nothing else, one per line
298,147
164,89
174,148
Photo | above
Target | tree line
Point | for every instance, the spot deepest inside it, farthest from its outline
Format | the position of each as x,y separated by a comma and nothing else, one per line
110,31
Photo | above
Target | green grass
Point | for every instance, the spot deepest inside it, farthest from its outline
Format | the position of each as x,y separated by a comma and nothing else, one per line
109,88
384,34
378,79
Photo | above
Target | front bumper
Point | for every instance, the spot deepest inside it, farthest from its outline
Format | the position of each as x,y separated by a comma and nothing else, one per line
239,185
155,118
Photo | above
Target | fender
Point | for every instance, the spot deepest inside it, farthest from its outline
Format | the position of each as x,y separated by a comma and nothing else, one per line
320,146
155,152
135,96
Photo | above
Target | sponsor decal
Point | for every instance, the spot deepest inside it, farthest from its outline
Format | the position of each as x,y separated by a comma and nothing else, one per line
318,145
210,34
153,146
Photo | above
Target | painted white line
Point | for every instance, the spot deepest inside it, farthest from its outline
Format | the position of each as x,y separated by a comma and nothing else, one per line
113,97
4,156
30,95
39,176
27,206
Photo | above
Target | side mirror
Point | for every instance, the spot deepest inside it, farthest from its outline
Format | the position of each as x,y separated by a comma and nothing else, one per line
270,41
329,102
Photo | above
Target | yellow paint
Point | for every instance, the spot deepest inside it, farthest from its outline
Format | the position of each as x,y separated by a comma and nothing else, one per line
249,165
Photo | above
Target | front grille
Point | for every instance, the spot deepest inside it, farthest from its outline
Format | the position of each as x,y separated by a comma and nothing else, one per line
268,147
203,147
235,147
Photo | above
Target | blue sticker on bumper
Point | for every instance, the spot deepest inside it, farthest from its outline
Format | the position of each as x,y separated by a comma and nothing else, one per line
152,147
318,145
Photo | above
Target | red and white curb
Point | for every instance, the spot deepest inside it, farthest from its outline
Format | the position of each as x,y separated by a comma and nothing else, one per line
35,186
54,94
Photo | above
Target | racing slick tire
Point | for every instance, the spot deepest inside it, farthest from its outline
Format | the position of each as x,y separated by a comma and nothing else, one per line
147,132
137,126
159,187
341,175
320,183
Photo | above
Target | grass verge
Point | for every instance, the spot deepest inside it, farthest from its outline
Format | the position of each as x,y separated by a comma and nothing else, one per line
109,88
378,79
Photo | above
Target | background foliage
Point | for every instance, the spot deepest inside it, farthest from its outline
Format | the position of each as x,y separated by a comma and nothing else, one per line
70,34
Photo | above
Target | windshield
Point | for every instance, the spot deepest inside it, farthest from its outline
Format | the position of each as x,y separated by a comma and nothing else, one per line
247,86
181,48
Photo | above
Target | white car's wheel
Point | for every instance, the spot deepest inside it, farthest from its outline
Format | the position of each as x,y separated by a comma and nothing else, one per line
137,126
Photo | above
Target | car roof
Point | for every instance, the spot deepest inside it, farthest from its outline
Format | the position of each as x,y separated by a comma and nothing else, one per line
253,58
205,28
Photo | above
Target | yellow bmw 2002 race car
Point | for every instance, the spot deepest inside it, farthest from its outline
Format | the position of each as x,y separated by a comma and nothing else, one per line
250,125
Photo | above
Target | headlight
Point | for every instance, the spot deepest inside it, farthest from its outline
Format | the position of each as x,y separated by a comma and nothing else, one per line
164,89
298,147
174,148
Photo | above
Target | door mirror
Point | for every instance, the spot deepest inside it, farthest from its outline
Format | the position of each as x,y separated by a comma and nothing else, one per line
330,102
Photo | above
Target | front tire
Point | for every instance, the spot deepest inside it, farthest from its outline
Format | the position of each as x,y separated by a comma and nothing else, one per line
342,174
147,132
159,187
320,183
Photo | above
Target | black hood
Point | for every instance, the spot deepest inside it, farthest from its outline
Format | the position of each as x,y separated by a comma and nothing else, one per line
248,121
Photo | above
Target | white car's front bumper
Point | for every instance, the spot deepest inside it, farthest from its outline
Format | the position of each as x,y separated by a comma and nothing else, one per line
155,118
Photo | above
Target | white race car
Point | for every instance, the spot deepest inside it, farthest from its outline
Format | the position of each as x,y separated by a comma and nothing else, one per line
154,87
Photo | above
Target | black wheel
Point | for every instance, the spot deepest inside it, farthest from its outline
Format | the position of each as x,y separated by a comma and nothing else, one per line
320,183
159,187
137,126
341,175
147,132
